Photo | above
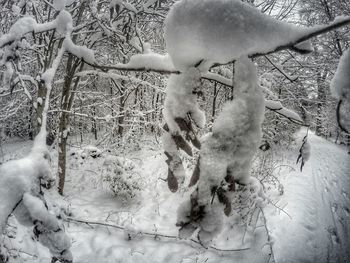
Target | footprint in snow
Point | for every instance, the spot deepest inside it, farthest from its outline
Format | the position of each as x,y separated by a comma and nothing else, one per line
334,235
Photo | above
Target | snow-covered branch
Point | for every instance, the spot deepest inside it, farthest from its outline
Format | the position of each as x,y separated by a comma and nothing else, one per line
161,64
310,33
277,107
23,27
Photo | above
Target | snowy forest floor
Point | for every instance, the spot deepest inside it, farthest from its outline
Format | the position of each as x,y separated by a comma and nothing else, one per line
306,221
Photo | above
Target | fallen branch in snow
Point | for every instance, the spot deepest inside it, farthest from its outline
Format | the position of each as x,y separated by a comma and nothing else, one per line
151,234
269,238
279,208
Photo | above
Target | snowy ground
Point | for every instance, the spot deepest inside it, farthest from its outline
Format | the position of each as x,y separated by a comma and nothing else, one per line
313,226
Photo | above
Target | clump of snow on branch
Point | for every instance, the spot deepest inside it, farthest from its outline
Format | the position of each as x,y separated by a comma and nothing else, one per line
226,155
150,61
219,31
59,4
24,26
180,109
278,107
181,99
64,22
79,51
340,88
47,229
22,176
340,85
20,194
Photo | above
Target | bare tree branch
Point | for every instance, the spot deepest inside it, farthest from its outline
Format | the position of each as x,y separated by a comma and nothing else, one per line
151,234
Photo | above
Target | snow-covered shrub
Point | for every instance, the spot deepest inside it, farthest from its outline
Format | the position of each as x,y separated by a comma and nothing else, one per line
119,177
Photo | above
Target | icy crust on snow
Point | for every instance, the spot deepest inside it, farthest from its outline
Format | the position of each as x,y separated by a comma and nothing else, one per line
181,99
340,85
222,30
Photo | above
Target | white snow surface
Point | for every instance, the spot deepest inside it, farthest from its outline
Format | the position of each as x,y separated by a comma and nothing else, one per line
318,203
317,200
219,31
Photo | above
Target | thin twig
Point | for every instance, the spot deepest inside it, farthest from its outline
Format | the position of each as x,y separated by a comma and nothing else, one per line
287,117
269,239
151,234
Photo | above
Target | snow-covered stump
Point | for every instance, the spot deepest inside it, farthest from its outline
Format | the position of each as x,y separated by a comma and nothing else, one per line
180,111
225,157
20,194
